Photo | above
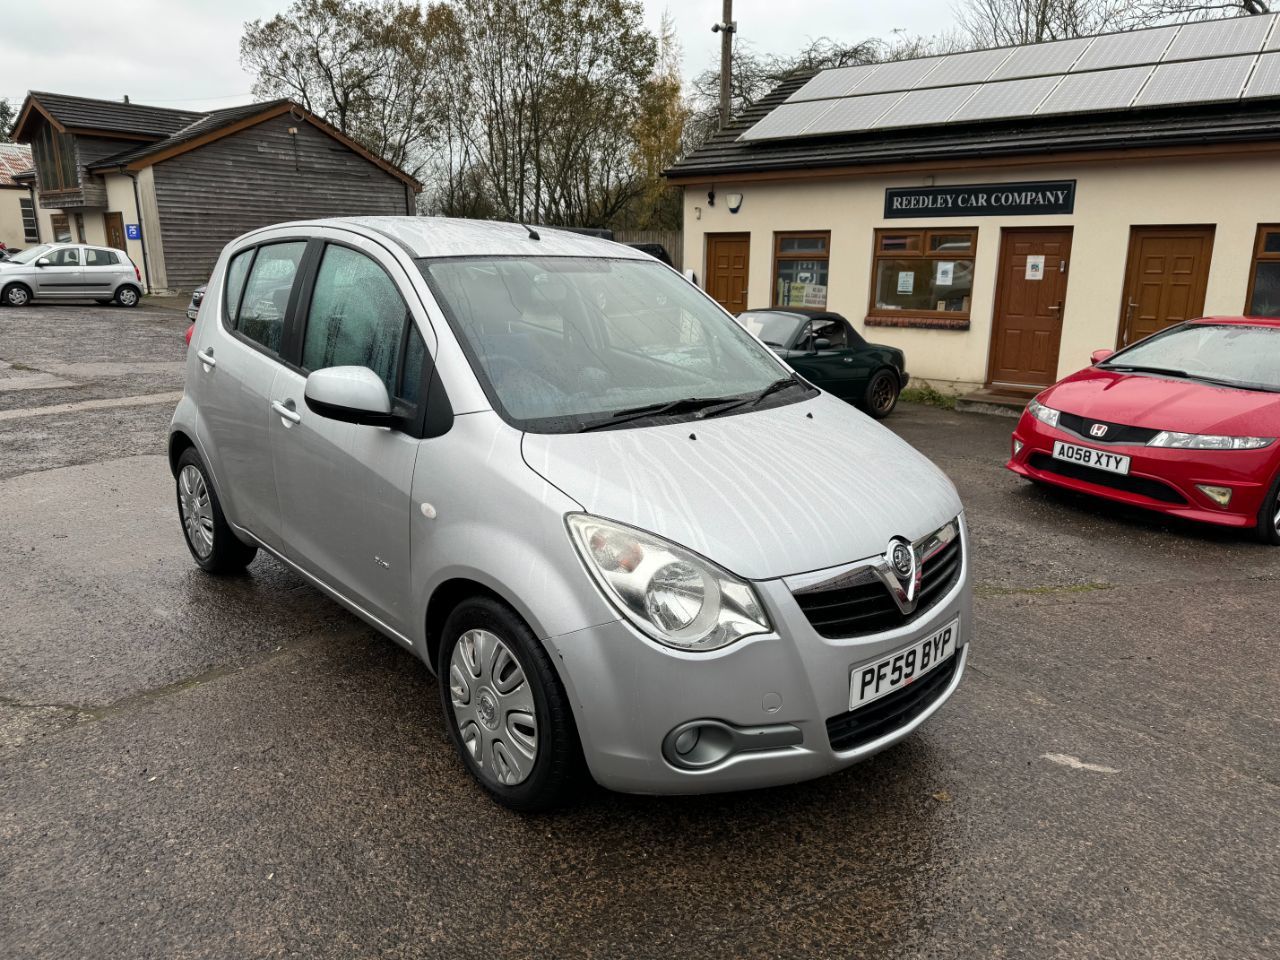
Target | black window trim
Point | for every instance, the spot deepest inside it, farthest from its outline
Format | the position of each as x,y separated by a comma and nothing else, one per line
229,325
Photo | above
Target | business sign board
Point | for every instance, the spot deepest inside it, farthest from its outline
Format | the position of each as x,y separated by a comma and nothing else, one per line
1030,199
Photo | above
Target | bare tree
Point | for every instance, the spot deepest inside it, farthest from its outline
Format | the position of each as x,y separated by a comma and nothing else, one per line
1147,12
1000,23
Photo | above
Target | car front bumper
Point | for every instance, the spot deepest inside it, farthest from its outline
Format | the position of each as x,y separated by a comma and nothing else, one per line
1162,479
630,695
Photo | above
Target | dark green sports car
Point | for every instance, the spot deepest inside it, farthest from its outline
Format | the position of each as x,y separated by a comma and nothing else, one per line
824,348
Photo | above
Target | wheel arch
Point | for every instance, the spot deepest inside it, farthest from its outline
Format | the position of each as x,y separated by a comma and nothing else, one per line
446,597
179,443
31,294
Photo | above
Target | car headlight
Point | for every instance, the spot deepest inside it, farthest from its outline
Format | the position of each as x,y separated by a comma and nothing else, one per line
676,597
1207,441
1042,413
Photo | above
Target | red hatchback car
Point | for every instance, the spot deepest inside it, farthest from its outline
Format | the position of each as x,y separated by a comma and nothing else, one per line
1185,422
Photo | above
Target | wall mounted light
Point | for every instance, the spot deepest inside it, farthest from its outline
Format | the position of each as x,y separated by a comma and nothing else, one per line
711,198
733,201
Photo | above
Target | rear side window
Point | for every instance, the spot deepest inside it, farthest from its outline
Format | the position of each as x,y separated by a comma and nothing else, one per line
357,318
266,292
99,258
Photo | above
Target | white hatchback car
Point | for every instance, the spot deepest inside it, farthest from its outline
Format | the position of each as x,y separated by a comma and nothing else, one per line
615,525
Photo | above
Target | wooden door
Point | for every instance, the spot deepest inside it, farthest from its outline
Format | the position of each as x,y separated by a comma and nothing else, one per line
1165,279
115,230
1031,292
728,256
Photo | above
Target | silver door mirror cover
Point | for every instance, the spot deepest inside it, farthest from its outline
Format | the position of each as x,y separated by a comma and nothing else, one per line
349,394
44,262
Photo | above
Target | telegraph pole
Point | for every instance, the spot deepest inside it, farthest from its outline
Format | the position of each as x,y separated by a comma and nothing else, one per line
726,28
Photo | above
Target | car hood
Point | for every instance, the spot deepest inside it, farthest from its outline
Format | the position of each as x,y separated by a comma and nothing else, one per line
1165,403
785,490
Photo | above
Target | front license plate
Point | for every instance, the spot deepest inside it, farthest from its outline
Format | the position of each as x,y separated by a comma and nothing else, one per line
902,668
1089,457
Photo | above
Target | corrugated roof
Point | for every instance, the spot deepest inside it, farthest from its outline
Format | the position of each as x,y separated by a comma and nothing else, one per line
114,115
15,158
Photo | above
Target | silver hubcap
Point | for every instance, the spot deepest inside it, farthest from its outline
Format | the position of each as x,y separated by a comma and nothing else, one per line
1276,519
128,297
17,296
197,514
494,708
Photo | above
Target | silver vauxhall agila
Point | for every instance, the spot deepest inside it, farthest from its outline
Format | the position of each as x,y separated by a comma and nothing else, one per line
621,532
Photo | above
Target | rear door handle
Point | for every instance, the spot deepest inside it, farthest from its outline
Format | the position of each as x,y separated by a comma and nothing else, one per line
205,356
286,412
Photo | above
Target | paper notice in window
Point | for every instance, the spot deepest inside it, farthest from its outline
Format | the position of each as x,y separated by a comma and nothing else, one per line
1035,267
906,282
946,273
815,295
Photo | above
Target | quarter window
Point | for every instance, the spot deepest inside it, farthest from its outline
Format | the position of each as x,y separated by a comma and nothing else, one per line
923,273
357,317
800,269
266,293
1264,279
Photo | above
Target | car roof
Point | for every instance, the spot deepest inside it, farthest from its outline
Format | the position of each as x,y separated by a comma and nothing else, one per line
452,237
800,313
1251,321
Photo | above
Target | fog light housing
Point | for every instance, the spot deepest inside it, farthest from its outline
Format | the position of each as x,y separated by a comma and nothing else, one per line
1017,446
1219,495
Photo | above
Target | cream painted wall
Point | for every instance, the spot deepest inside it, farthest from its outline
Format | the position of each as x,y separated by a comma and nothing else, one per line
1232,194
120,198
11,234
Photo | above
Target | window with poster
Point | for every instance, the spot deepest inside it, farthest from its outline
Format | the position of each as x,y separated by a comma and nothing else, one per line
923,273
1264,278
800,269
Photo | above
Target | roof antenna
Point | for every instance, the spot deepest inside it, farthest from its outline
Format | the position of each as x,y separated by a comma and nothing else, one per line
533,234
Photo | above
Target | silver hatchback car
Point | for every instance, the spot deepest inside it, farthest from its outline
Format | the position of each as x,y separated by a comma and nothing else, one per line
70,271
618,529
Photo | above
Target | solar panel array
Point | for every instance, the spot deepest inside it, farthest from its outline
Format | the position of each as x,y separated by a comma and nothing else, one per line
1207,62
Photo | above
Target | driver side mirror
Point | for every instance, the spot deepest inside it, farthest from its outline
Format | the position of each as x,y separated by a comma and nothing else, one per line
820,343
44,262
350,395
1099,355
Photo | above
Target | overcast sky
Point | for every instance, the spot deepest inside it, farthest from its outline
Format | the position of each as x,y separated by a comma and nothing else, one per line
185,53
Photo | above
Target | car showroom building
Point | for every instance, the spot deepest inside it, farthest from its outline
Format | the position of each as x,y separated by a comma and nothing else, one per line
1000,214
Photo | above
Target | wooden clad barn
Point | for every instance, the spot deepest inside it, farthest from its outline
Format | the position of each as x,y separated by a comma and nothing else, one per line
171,187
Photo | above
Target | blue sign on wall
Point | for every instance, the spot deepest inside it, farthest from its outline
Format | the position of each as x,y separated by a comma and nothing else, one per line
133,231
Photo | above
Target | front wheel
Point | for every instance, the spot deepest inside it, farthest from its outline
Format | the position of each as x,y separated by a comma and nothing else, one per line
505,709
213,545
882,394
1268,530
15,295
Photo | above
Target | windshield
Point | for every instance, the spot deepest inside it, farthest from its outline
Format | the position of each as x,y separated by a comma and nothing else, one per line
775,329
561,343
30,254
1239,354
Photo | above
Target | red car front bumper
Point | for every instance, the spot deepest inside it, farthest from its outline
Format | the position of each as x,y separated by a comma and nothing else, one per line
1161,479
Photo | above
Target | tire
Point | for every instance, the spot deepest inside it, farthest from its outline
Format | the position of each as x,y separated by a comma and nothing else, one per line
882,393
483,647
1268,529
15,295
128,296
213,545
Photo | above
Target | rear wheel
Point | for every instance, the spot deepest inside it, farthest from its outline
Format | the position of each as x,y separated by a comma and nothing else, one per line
1268,530
15,295
505,709
882,394
127,296
213,544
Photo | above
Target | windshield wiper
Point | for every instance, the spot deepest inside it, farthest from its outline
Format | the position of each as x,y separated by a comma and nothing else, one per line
774,388
1167,371
683,405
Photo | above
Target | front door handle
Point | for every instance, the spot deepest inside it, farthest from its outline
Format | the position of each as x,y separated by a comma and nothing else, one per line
848,359
286,411
205,356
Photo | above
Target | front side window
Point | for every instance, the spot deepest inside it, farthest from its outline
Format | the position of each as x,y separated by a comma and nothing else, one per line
357,317
65,257
1237,354
1264,282
923,273
800,269
567,343
833,331
266,293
